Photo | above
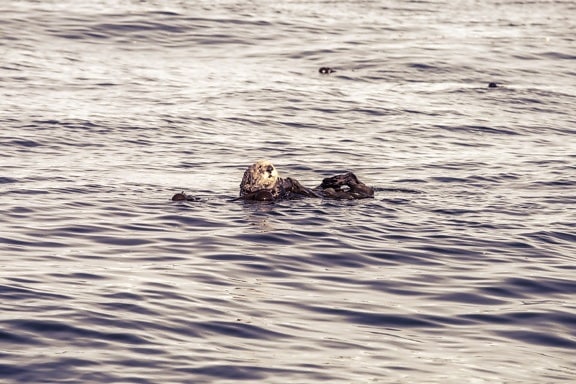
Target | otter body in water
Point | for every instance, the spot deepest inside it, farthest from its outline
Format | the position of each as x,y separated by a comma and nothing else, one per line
261,182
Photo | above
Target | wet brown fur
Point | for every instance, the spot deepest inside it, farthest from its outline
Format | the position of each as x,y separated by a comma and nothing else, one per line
261,182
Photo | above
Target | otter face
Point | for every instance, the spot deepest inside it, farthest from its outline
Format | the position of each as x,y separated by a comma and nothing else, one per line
260,175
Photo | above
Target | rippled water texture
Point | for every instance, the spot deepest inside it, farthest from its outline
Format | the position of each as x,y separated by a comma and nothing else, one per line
460,270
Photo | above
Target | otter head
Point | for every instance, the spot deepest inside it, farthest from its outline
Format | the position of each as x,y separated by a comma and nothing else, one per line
260,175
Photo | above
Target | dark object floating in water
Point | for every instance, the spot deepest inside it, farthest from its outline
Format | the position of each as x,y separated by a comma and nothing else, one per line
492,85
184,197
261,182
326,70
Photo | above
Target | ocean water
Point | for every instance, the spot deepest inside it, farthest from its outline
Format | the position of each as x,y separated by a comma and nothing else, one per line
461,269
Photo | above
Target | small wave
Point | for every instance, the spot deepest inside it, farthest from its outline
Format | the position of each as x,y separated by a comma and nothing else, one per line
472,298
541,286
378,319
479,129
240,330
8,180
539,338
553,237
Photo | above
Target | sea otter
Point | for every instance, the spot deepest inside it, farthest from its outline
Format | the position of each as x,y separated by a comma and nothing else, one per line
261,182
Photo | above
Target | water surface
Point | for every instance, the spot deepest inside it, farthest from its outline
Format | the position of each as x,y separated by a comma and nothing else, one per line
460,270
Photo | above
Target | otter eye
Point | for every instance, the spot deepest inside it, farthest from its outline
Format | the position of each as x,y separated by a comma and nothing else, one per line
270,168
